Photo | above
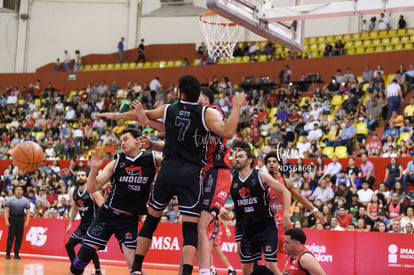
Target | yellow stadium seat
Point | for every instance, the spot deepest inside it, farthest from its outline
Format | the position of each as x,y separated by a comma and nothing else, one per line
392,33
147,65
313,47
177,63
395,40
196,62
356,36
87,67
365,35
125,66
362,128
238,59
300,138
350,51
409,31
379,49
156,64
303,100
163,64
103,67
385,41
321,39
39,135
110,67
408,46
373,34
389,48
246,59
21,101
405,39
367,42
383,34
358,43
262,58
347,37
369,50
117,66
132,65
328,151
341,152
399,47
349,44
262,45
170,63
337,100
312,39
404,136
95,67
322,46
401,32
376,42
140,65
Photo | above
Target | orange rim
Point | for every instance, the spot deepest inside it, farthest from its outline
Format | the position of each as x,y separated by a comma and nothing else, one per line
211,13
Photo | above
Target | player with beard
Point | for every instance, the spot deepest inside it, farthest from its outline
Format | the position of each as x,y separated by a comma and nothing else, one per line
87,206
276,201
250,193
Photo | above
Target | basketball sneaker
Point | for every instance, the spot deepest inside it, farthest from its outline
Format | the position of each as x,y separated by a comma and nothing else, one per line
213,272
232,272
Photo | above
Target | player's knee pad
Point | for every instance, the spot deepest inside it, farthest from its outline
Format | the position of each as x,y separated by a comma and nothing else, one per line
85,255
149,227
190,234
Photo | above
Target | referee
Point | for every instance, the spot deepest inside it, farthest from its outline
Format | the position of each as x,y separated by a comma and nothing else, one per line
14,216
394,97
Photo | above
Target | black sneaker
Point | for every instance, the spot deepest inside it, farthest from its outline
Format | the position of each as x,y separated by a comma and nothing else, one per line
232,272
213,272
7,257
17,257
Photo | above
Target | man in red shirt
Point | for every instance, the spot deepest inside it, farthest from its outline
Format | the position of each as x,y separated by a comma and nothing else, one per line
343,218
52,197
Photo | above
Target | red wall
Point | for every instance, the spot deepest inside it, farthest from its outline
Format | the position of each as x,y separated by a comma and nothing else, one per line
325,66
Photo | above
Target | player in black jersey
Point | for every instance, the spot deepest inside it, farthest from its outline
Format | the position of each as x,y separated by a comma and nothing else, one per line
87,206
131,174
250,193
187,128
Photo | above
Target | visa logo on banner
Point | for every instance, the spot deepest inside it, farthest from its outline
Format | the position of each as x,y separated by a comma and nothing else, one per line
404,255
319,251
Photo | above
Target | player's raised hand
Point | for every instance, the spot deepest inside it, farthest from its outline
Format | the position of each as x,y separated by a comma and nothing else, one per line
319,216
96,159
139,111
286,222
239,99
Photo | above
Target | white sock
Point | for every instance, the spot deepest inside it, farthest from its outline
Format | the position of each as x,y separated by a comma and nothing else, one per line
212,268
230,268
204,271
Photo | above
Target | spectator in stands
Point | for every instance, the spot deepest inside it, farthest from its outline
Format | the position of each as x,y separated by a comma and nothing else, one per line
364,26
389,152
328,49
408,218
409,228
408,174
393,173
77,62
409,111
335,224
66,61
395,208
367,170
348,134
396,226
315,134
52,198
394,97
391,132
339,47
323,192
343,218
399,189
365,194
383,23
141,52
121,50
402,24
366,75
374,112
333,169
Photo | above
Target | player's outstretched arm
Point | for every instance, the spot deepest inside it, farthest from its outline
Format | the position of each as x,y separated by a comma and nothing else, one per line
305,202
125,116
95,181
309,262
278,187
228,128
98,198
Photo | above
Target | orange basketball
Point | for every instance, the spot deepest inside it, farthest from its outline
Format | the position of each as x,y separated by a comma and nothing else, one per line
28,156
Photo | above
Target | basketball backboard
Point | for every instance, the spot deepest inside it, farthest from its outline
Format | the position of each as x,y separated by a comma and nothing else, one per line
250,14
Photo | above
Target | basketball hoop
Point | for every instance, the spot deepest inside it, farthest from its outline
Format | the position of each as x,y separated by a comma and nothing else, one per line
221,35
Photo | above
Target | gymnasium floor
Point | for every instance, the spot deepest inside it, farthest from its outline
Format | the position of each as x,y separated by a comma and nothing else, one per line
29,265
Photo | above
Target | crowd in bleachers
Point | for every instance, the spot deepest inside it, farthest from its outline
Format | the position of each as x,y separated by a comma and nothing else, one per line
336,121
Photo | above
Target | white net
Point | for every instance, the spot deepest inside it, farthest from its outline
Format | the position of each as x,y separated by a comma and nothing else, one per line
221,35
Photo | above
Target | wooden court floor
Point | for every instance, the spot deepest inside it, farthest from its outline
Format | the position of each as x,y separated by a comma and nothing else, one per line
36,266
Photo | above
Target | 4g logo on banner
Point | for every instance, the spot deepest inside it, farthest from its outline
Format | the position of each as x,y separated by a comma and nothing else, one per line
36,235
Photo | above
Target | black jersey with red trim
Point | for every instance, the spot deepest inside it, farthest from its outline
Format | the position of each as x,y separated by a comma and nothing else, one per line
86,205
217,152
131,182
186,133
251,201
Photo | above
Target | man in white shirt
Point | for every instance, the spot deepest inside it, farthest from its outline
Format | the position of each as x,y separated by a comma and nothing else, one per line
70,114
333,169
316,111
394,97
365,194
315,134
335,225
155,86
383,22
304,147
